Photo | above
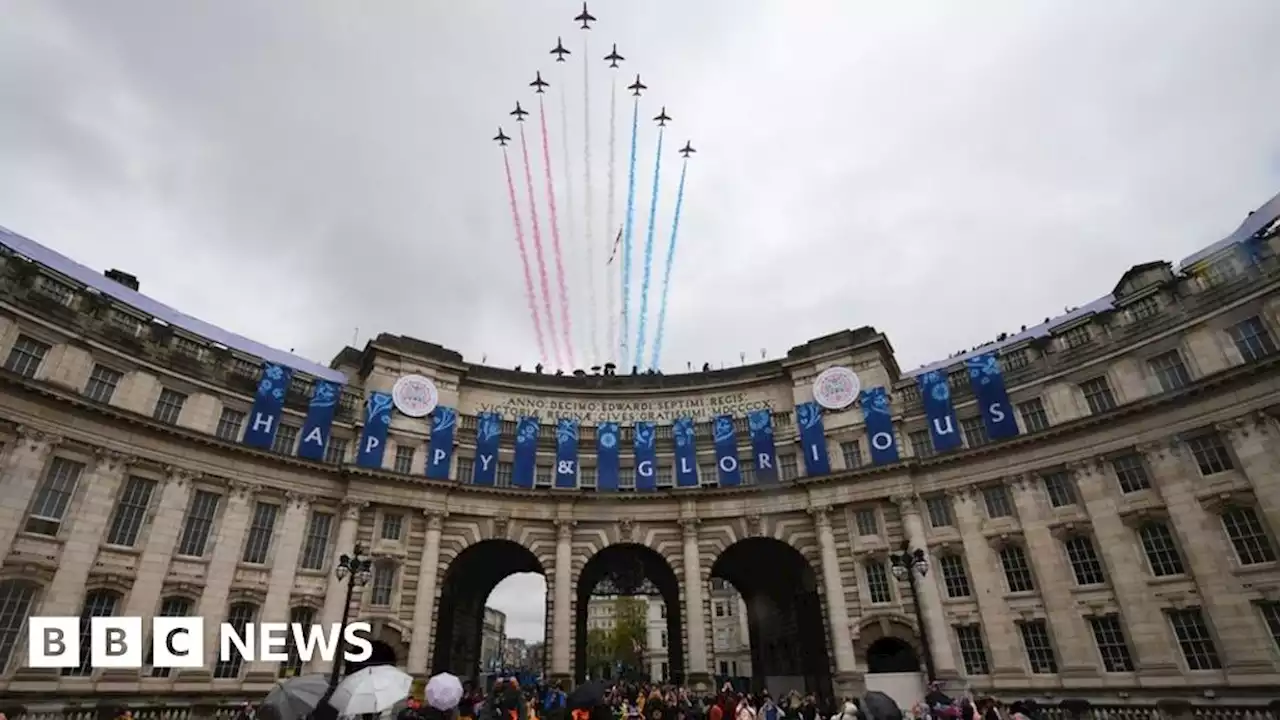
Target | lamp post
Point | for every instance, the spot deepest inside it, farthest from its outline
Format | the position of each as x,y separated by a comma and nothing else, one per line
355,570
906,565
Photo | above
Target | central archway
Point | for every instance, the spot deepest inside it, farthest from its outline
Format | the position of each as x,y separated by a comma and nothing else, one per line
468,582
784,614
622,570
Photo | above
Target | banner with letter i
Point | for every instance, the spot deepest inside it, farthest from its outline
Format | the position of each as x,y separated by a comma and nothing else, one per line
373,439
525,469
268,405
488,430
646,456
813,439
766,454
566,453
607,456
440,452
935,395
725,439
988,387
878,415
315,430
686,454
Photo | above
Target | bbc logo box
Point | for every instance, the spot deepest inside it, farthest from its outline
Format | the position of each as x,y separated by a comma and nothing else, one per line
116,642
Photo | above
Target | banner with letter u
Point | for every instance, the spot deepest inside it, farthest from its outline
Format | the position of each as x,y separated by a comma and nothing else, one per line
725,441
566,453
526,452
646,456
813,439
315,430
607,438
488,430
935,395
686,454
268,405
766,454
993,400
878,416
373,439
440,452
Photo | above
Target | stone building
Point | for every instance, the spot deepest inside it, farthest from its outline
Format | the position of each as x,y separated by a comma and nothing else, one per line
493,640
1121,548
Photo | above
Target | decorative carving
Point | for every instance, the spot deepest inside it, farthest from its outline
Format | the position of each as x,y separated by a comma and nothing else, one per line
1020,482
180,476
501,523
1137,517
1067,530
908,503
821,517
352,509
1245,425
299,499
755,525
999,541
689,527
627,530
435,519
1086,466
564,530
1218,503
242,489
38,438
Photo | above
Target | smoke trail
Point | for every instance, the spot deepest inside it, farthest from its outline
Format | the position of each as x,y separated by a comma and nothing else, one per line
589,225
609,225
666,274
565,326
628,227
537,246
524,260
571,226
648,252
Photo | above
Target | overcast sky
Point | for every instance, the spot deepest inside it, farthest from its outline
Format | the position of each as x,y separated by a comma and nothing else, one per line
299,169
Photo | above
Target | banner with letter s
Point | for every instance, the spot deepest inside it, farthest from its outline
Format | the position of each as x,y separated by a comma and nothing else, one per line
607,439
440,451
522,476
315,430
813,439
646,456
878,416
268,405
762,447
993,400
725,441
373,439
686,454
935,395
488,430
566,453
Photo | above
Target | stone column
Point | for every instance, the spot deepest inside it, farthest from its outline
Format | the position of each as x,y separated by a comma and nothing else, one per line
697,672
1252,438
1003,645
162,540
23,468
846,677
934,621
277,608
222,570
335,591
562,615
425,600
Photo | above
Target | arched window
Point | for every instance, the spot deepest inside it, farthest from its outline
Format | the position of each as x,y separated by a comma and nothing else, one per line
384,583
97,603
17,600
172,606
239,618
303,617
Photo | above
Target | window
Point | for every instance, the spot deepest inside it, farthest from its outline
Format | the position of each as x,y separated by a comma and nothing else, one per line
996,498
975,432
724,667
877,582
1160,549
1034,418
939,507
719,609
1144,308
198,525
54,497
542,476
1076,336
954,576
303,616
1247,536
335,453
102,384
130,512
1108,635
787,469
258,546
392,526
867,521
662,610
1131,473
286,437
1060,489
175,606
662,639
1169,370
1194,640
466,469
1210,453
1035,640
97,603
972,650
239,618
404,459
1014,360
921,443
169,406
229,425
1270,615
16,600
1097,395
1252,339
316,545
505,472
852,454
1017,572
707,472
384,583
26,356
1083,557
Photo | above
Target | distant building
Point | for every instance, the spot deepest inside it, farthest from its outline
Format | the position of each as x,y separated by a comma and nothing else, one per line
515,654
493,636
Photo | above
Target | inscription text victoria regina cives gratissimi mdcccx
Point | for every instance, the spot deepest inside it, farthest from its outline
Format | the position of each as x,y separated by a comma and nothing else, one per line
628,410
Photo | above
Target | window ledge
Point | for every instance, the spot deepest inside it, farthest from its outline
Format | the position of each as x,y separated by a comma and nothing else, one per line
1255,569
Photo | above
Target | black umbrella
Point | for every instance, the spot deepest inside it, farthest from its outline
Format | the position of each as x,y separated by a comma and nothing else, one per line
586,696
879,706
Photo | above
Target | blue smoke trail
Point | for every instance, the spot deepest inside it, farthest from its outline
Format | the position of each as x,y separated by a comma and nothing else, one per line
626,237
648,253
666,275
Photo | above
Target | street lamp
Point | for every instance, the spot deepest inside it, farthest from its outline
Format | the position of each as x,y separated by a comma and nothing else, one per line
355,570
906,565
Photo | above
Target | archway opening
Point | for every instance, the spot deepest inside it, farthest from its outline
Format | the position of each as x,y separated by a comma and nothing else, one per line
628,617
384,653
784,615
892,655
466,626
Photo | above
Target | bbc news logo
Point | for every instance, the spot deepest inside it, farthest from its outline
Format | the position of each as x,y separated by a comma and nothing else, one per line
178,642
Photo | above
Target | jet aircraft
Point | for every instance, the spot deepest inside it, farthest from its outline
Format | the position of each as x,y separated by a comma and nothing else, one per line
687,150
614,57
559,51
501,138
519,113
539,85
637,86
585,18
662,117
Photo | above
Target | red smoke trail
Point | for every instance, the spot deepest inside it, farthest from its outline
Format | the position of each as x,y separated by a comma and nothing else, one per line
524,259
537,246
566,325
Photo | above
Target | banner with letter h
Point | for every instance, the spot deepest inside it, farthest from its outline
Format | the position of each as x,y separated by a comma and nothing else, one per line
268,406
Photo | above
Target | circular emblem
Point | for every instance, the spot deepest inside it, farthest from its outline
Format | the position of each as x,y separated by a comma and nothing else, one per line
836,388
415,395
608,439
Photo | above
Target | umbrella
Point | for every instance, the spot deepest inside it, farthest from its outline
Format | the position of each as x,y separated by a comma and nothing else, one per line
371,690
443,692
586,696
296,697
880,706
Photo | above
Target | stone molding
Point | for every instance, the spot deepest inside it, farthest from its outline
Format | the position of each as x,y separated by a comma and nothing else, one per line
37,437
353,509
564,530
689,527
435,519
626,530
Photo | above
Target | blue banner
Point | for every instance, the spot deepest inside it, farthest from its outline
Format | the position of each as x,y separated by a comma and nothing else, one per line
440,452
813,440
935,394
315,430
878,416
607,456
725,441
686,454
488,430
526,452
373,439
566,453
988,387
646,456
268,404
762,447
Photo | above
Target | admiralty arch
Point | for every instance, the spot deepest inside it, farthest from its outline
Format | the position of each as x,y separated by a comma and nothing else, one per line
1117,544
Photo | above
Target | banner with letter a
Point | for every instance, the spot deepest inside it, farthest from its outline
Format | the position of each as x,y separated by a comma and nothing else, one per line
646,456
566,453
878,416
988,387
762,447
440,452
526,452
268,405
373,439
488,430
315,430
607,438
813,439
686,454
935,394
725,439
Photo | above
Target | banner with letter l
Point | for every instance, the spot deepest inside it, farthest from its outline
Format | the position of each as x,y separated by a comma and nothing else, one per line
686,454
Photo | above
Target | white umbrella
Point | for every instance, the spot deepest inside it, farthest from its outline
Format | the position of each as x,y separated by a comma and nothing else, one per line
296,697
371,690
443,692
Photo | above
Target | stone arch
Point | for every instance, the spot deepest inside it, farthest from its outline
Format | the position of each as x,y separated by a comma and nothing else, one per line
390,640
889,643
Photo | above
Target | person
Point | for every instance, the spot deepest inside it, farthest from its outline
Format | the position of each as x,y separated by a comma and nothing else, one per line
768,710
744,709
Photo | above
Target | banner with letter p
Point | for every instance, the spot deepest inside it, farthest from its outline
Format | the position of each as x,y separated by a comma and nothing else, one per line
440,451
373,439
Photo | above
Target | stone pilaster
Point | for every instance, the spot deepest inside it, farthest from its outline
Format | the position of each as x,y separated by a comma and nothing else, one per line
24,466
222,570
336,592
988,588
162,541
847,679
934,620
697,672
284,565
1254,440
425,600
562,612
